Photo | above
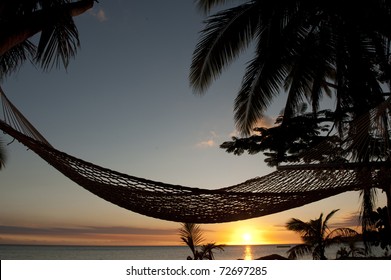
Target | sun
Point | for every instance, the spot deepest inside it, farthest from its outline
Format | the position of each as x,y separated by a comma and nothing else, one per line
247,238
246,235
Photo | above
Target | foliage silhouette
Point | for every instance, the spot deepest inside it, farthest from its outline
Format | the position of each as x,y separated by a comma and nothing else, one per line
316,236
53,20
380,233
306,48
191,234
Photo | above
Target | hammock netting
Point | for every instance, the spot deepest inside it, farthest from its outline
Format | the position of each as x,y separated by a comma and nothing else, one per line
286,188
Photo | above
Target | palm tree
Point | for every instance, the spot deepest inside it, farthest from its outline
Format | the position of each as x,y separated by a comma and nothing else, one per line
191,235
206,252
352,252
58,40
308,48
316,236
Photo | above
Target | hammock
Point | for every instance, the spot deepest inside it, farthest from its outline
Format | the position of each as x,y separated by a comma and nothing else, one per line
287,187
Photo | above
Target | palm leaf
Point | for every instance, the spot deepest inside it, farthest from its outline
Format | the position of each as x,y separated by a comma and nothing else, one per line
304,80
326,220
341,235
278,31
261,82
58,42
14,58
225,35
207,250
299,226
191,235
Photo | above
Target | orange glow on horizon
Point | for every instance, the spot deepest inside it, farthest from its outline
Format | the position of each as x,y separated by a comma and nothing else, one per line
250,233
246,236
244,233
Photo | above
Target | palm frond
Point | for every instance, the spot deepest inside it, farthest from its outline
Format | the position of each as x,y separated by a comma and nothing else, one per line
326,220
225,35
14,58
340,235
299,226
207,250
304,81
261,83
58,39
266,73
59,42
191,234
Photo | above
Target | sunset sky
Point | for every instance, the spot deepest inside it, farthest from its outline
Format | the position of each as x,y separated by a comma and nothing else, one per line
125,103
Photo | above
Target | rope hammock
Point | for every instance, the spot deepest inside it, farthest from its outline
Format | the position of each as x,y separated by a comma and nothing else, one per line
287,187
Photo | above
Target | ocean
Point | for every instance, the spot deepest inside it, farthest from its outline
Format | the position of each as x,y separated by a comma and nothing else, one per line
49,252
39,252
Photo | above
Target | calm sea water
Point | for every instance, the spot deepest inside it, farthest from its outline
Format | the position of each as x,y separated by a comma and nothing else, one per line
32,252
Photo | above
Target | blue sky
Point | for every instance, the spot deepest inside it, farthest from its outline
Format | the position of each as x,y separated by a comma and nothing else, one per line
125,103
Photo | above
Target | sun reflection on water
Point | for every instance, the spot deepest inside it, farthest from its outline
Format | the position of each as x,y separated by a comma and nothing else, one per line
248,254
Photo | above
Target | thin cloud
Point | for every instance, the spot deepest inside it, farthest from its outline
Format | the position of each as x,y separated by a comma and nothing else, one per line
265,121
208,143
100,15
53,231
351,220
87,235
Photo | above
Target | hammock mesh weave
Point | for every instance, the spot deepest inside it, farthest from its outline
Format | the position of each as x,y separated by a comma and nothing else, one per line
287,187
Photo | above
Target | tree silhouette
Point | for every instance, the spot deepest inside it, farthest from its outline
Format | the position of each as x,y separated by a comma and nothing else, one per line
316,236
51,20
286,141
206,252
191,234
380,233
305,48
